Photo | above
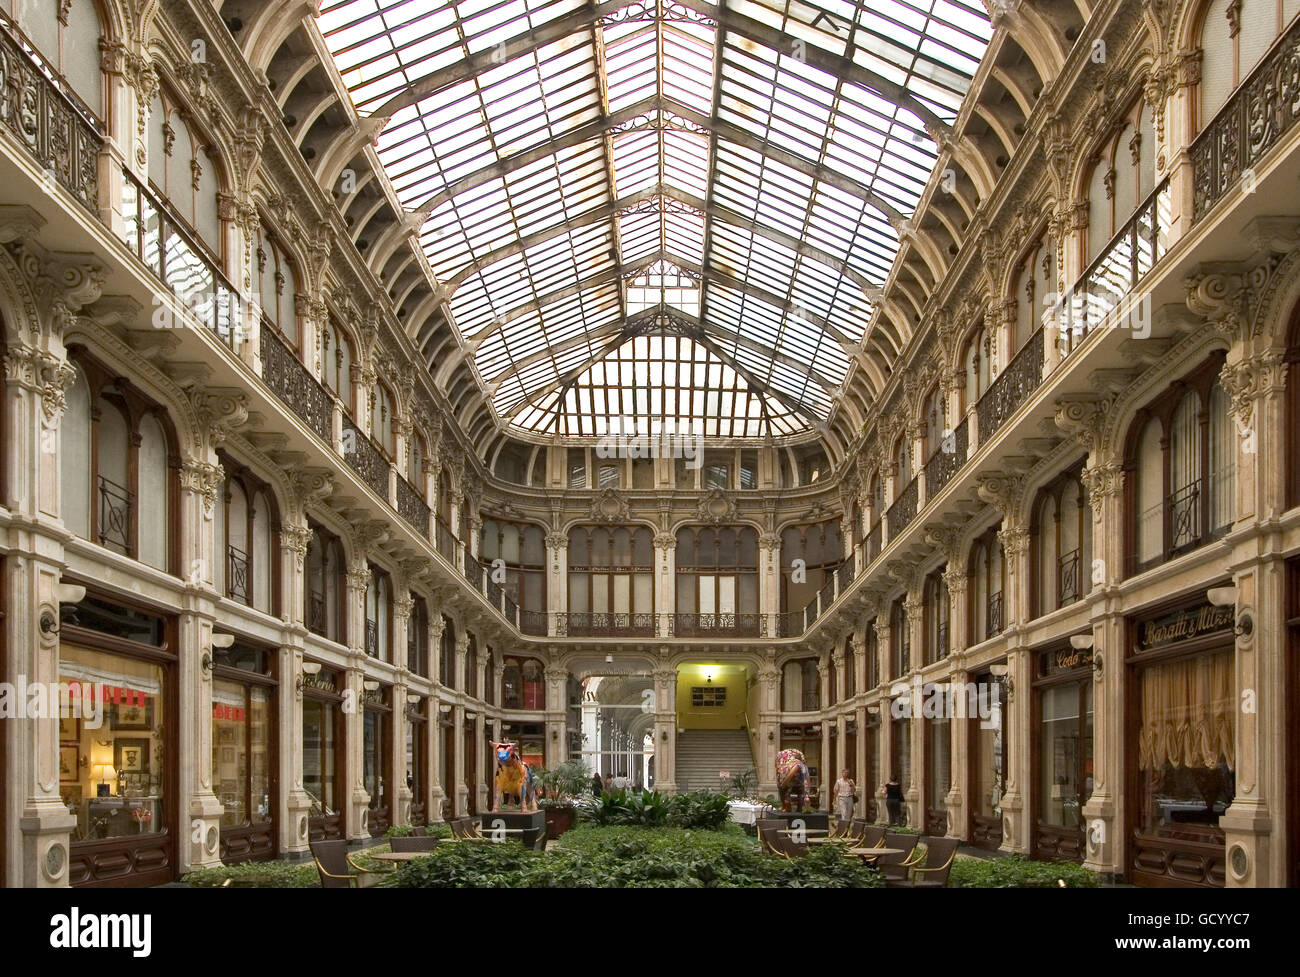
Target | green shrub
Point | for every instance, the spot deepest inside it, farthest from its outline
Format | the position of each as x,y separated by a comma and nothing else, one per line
650,809
1019,872
260,875
633,857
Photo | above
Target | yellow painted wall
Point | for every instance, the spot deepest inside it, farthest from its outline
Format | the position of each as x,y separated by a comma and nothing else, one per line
730,716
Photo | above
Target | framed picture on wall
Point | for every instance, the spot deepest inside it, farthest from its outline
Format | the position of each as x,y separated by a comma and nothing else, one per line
131,756
225,734
132,716
69,728
69,763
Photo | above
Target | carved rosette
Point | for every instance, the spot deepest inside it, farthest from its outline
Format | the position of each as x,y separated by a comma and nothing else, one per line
204,480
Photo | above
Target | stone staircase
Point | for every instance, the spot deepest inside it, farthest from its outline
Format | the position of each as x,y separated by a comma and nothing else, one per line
701,753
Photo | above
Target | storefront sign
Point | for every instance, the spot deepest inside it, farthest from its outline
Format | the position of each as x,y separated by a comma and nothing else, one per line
1184,625
234,714
1068,658
320,682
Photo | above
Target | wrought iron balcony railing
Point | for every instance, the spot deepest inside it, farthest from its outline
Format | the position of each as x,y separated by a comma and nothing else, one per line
317,619
874,542
532,622
993,616
372,638
1260,112
412,507
48,119
1011,388
444,540
1067,577
237,574
946,461
365,458
293,383
116,505
903,511
719,625
581,624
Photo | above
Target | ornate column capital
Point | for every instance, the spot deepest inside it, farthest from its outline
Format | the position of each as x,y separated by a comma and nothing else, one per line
665,541
219,411
1084,419
297,539
202,479
1103,482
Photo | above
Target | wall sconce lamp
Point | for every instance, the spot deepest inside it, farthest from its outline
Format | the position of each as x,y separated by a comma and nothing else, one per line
555,735
1001,671
370,685
308,668
1227,597
412,699
218,640
64,593
1081,642
609,659
663,735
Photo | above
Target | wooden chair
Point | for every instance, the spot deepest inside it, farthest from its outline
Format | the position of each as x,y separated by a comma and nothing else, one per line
414,843
781,844
896,866
932,871
334,866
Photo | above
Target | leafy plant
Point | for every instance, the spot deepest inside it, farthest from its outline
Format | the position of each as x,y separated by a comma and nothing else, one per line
258,875
1019,872
406,830
743,785
651,809
564,785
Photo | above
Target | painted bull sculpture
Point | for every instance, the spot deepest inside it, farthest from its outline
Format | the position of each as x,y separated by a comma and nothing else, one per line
514,779
792,779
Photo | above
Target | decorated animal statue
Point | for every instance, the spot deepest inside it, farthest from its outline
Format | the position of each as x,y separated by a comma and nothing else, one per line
792,779
514,779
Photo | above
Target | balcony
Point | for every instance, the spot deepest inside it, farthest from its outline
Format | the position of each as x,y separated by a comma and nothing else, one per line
1261,111
444,540
730,625
116,505
1067,577
48,121
237,574
412,507
873,543
317,620
946,461
1011,389
372,638
903,511
533,622
586,625
993,616
365,458
296,388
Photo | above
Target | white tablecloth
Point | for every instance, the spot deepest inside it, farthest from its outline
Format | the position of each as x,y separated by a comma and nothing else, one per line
743,812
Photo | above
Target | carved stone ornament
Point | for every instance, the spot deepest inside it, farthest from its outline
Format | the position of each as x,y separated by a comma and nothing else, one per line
297,539
204,480
311,486
716,508
609,506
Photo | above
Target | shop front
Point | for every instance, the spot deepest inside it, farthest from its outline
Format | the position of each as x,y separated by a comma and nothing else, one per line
117,764
376,748
417,759
244,755
987,767
322,751
1181,736
1062,765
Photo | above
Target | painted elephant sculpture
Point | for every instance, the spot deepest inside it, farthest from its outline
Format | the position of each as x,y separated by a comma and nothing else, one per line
792,779
514,779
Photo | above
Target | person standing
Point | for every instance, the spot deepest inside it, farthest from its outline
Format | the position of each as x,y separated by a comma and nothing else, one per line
894,800
845,793
597,785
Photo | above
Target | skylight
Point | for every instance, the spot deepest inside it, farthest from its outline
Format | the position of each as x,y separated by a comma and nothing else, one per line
615,187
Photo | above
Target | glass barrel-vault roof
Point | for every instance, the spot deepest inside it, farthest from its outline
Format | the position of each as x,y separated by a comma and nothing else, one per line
688,200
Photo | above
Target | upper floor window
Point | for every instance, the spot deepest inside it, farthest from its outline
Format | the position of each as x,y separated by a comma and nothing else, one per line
872,652
800,686
523,684
1061,526
324,586
470,684
987,570
182,172
717,573
1235,35
850,668
417,637
1122,177
611,571
809,557
1036,289
900,640
936,422
1180,469
447,653
116,464
336,362
981,350
277,285
245,523
381,418
936,604
66,33
415,460
379,600
521,548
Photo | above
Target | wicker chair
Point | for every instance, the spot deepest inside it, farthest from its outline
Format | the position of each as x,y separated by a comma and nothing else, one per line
932,871
873,836
414,843
897,866
334,866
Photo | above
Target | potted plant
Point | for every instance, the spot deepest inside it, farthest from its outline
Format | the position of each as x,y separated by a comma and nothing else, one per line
558,794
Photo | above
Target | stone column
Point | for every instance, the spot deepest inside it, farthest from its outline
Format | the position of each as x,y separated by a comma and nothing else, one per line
884,765
400,794
1016,807
356,816
769,584
557,583
665,583
959,761
457,785
915,790
769,723
665,729
295,806
556,729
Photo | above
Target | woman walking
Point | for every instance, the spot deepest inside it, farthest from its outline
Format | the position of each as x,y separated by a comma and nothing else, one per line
845,795
894,800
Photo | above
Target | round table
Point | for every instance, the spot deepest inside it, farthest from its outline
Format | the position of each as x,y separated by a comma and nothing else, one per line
399,856
873,853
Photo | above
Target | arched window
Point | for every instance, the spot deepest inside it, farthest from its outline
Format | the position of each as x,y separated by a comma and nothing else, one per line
717,580
417,637
1180,469
900,640
936,423
873,656
66,33
470,684
979,359
523,684
611,580
325,586
336,362
987,579
902,464
116,464
800,686
381,419
415,461
447,653
246,527
1235,35
1122,178
1061,554
521,548
1036,290
379,596
277,285
183,173
850,668
810,555
936,608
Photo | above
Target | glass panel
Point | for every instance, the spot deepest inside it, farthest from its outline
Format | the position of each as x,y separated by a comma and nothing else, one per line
318,759
1065,754
112,777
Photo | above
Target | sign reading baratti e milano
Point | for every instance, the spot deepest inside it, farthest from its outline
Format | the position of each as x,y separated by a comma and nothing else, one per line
1182,625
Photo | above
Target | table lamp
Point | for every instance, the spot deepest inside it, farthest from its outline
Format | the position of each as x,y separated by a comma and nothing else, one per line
104,772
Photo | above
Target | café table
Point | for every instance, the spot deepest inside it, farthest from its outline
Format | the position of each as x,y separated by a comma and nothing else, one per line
399,856
871,854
